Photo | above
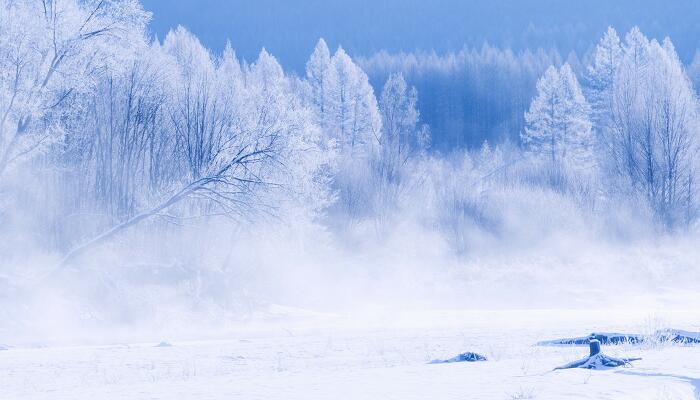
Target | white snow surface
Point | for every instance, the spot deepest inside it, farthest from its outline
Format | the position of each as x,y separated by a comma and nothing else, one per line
369,355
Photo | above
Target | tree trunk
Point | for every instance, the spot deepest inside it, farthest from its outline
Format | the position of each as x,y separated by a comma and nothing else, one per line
594,346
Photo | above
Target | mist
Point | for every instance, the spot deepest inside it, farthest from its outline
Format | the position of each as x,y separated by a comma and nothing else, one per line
358,180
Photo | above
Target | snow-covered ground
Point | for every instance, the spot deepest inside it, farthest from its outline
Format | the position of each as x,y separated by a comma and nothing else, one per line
378,356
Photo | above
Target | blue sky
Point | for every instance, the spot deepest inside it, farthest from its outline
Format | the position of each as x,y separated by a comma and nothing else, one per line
290,28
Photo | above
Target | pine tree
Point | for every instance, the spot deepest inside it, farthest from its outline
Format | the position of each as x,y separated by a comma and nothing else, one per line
347,112
540,134
322,79
354,107
600,77
578,140
558,127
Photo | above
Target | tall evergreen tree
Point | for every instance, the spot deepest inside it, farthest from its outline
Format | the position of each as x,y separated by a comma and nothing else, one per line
357,119
600,78
558,127
322,79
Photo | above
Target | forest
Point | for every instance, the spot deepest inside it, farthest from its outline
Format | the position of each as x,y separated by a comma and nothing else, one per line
151,180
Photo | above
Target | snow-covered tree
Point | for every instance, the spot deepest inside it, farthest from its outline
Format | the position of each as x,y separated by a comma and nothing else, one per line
540,135
322,78
347,112
238,140
694,70
655,122
197,114
402,136
355,111
299,171
483,91
558,127
128,133
51,54
601,76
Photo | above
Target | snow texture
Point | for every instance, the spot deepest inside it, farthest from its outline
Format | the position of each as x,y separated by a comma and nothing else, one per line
371,358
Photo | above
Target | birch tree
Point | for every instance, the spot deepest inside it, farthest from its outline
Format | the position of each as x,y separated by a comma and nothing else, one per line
241,137
655,122
402,136
52,52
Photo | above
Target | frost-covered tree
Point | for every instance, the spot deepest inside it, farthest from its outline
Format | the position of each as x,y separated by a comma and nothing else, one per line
558,128
601,78
694,70
237,140
483,91
201,121
298,174
354,108
347,112
343,101
579,143
655,122
632,73
322,78
128,133
51,54
402,136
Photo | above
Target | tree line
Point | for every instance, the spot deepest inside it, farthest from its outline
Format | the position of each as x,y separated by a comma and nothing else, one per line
635,131
115,129
103,129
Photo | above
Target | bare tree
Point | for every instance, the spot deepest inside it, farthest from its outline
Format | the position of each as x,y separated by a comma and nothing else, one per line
52,51
655,119
235,138
402,137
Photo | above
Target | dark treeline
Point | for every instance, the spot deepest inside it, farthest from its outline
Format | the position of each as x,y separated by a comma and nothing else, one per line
470,96
478,94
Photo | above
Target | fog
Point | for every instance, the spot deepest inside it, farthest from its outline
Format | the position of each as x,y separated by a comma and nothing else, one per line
153,187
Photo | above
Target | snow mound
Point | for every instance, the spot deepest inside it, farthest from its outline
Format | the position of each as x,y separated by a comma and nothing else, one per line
464,357
678,336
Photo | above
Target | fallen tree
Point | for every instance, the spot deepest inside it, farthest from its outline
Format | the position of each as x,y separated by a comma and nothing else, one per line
225,188
660,336
597,360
